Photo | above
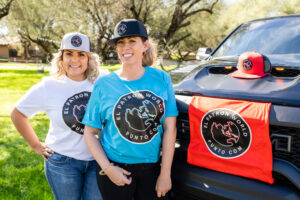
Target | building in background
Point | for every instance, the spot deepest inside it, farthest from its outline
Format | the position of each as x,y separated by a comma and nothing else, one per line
4,50
13,50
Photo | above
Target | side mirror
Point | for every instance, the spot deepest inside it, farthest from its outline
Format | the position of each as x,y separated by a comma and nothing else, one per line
203,53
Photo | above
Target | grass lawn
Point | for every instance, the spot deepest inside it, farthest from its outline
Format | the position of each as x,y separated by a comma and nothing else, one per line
22,64
21,169
21,175
110,67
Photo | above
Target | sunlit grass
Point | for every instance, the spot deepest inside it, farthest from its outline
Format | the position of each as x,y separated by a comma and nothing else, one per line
21,175
22,64
110,67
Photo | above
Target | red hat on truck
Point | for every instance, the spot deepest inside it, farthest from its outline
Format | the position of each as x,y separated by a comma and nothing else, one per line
252,65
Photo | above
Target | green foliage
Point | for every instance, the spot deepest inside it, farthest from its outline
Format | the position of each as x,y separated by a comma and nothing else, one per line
21,175
111,67
44,22
289,7
208,30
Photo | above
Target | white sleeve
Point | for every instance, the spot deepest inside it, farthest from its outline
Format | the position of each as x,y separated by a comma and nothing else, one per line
33,101
103,72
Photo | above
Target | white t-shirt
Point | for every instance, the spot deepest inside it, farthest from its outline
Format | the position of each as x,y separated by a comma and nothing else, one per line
64,102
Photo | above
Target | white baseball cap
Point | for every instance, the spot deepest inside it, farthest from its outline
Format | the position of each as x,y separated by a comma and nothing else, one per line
76,41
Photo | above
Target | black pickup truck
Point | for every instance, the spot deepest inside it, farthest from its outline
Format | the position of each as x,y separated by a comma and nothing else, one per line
277,38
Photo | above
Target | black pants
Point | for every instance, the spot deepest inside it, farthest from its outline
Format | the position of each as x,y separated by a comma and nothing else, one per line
142,187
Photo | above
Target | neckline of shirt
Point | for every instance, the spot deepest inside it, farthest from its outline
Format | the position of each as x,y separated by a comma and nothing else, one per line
133,81
68,80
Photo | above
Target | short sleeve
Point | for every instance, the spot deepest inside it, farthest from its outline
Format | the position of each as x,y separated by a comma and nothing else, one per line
171,108
92,116
103,72
33,101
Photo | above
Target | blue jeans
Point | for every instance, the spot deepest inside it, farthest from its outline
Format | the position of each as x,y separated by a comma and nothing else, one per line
72,179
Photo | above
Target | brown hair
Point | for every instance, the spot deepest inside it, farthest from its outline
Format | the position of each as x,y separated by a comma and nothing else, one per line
92,71
149,56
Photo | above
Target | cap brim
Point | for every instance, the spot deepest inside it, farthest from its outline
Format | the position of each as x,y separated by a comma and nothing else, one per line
70,48
239,74
113,41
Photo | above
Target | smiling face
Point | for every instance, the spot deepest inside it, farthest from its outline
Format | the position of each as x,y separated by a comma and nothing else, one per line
75,64
130,50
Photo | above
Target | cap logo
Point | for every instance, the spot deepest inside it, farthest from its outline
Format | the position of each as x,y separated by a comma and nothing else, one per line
76,41
247,65
122,29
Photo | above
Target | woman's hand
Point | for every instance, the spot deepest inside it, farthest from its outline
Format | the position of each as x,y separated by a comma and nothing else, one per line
43,150
163,185
118,175
24,127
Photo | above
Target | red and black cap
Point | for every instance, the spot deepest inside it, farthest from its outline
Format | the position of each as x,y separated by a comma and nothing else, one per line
252,65
128,28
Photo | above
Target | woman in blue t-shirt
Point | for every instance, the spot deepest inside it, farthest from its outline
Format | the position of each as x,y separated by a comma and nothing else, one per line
135,109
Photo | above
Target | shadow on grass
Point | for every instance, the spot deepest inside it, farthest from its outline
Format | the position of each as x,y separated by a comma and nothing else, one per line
22,175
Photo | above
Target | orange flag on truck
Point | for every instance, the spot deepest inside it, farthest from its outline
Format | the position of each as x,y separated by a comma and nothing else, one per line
231,136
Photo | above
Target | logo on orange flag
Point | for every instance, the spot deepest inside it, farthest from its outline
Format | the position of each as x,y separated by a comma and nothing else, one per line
231,136
225,133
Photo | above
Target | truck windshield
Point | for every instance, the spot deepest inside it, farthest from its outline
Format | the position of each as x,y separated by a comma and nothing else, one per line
280,36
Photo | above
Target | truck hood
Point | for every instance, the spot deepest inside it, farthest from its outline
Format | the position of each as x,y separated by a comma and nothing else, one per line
274,89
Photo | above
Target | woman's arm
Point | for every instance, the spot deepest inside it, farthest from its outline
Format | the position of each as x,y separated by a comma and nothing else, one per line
116,174
24,127
164,183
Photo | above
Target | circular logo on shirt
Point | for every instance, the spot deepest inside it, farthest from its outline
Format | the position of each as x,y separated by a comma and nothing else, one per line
137,116
226,133
74,109
76,41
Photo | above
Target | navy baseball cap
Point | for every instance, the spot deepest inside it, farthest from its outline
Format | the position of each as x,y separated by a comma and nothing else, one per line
128,28
76,41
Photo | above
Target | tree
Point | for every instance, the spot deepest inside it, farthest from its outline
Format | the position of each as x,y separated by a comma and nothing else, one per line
184,9
44,22
101,17
167,18
5,7
176,25
208,30
141,10
290,7
41,22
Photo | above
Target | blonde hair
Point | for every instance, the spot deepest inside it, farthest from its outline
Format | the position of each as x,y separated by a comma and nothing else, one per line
149,56
92,71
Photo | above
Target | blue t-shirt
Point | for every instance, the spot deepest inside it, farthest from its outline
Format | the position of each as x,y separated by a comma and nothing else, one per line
131,115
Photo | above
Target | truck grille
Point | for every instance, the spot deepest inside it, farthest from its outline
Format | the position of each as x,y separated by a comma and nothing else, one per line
294,155
183,133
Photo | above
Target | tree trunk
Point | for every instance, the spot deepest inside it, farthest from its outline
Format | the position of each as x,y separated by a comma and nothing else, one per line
5,9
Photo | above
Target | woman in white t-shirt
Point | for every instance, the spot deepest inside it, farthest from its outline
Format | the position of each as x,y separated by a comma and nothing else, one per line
69,167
